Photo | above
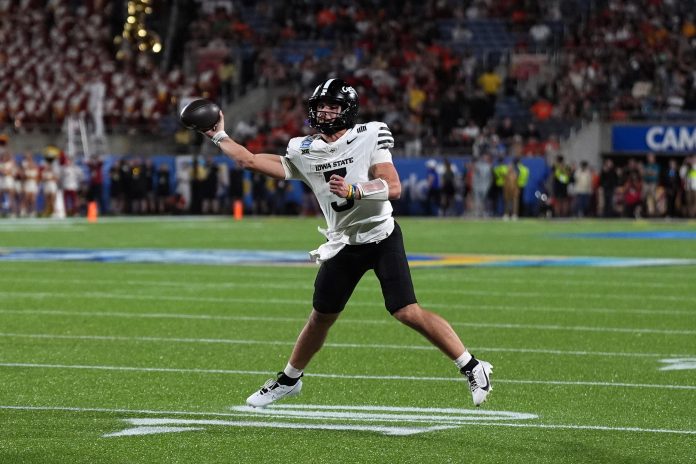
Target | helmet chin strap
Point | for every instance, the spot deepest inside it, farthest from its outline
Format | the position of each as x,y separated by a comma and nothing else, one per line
327,128
331,131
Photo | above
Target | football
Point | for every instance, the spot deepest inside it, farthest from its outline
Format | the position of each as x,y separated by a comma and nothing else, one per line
200,115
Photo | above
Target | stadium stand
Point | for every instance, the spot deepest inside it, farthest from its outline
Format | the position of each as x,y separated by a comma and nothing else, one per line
444,46
627,59
55,52
450,78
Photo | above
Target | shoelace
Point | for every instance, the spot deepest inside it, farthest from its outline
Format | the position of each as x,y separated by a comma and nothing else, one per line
266,387
472,380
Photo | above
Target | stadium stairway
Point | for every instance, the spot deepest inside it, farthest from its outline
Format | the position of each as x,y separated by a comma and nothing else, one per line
247,106
583,143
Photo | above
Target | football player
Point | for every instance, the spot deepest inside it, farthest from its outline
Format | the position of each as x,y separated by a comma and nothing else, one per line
349,168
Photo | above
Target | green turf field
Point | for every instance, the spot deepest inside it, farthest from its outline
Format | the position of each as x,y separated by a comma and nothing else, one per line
151,363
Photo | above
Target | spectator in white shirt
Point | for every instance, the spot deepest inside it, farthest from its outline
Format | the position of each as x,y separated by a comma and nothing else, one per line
71,178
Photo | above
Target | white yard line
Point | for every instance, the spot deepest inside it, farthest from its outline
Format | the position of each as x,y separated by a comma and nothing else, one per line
486,293
167,283
148,315
70,228
225,341
230,341
588,427
583,295
338,376
130,296
195,286
564,282
292,282
280,301
299,425
576,328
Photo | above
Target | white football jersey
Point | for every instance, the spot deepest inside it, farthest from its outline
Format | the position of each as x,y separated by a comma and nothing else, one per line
313,161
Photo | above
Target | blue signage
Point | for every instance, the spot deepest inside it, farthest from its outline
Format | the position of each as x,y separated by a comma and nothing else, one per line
656,138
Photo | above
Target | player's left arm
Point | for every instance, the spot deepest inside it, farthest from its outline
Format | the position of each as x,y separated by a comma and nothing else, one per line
387,172
384,184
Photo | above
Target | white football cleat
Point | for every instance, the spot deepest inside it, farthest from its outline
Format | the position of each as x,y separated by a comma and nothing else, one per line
479,381
272,391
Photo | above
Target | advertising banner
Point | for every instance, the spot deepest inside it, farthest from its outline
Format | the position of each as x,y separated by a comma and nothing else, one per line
656,138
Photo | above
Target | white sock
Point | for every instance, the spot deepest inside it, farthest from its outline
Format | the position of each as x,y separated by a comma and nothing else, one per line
463,360
291,372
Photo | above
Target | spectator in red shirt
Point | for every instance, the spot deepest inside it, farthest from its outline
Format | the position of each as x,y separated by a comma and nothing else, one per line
632,195
542,109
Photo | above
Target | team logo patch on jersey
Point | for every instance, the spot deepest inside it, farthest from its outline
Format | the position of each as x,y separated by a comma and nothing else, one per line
305,144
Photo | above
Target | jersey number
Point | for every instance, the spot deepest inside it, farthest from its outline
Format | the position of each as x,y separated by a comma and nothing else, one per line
349,203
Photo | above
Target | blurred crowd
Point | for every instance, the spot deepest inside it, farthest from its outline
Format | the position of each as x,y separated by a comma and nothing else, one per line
510,188
419,73
613,58
51,184
421,67
404,67
486,186
57,59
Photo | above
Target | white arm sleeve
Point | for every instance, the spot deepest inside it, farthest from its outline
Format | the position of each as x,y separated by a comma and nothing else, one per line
376,189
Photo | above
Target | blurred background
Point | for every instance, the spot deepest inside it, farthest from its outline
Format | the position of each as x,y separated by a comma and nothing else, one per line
499,108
